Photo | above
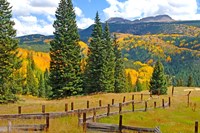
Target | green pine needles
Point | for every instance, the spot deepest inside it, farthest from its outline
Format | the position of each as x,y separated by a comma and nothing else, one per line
65,52
158,82
9,61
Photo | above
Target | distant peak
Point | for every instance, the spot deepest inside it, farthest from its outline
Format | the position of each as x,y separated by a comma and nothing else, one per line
118,20
159,18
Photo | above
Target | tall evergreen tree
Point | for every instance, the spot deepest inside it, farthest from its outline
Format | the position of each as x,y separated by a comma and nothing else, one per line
41,88
158,82
138,86
108,62
9,62
65,73
93,70
46,84
190,81
120,77
31,83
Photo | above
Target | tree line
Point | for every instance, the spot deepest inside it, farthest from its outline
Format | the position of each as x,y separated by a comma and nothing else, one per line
104,70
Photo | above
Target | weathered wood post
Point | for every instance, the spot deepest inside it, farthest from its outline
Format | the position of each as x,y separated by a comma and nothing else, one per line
169,101
88,104
124,99
43,108
163,103
9,127
196,127
172,90
108,110
100,103
94,114
66,107
188,100
19,109
155,105
79,116
47,121
113,101
120,108
145,108
120,123
151,93
133,103
72,105
141,97
84,123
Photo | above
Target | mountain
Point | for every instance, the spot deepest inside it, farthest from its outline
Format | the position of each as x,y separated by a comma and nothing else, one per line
119,20
159,18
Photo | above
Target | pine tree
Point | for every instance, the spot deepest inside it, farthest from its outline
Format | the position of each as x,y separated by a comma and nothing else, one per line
138,86
120,78
65,73
9,61
190,81
158,81
46,84
93,70
108,62
129,85
41,88
31,84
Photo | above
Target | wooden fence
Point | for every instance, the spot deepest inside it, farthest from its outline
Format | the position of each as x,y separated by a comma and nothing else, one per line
117,128
38,127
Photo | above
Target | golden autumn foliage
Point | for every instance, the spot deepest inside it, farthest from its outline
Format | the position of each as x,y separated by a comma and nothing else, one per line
42,60
143,73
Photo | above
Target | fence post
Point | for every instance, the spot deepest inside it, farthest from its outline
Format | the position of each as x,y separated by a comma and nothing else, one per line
113,101
133,97
84,123
120,108
47,121
133,106
145,109
66,107
99,103
72,106
120,123
108,110
124,99
163,103
172,90
151,93
9,127
79,116
88,104
43,108
94,114
169,101
141,97
154,104
19,109
196,126
188,102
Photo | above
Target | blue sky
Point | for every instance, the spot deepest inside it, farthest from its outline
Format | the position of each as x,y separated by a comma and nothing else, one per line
37,16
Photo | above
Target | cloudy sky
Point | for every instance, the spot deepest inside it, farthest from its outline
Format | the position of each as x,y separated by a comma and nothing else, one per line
37,16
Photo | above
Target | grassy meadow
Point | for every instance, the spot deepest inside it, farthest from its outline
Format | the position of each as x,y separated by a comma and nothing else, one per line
179,118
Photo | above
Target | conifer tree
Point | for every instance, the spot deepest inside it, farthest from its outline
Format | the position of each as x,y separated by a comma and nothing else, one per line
108,62
190,81
65,73
120,77
93,70
41,88
138,86
129,85
46,84
158,81
9,61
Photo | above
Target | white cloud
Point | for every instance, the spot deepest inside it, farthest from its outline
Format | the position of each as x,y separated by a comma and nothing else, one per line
78,12
84,23
131,9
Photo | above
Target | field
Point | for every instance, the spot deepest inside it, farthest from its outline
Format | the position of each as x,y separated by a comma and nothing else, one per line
179,118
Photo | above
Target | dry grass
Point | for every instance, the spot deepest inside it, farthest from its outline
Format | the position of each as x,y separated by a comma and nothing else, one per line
178,118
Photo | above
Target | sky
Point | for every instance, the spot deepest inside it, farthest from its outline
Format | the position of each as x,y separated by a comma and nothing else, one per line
37,16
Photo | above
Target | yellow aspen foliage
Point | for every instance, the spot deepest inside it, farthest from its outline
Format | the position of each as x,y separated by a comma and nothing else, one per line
169,59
